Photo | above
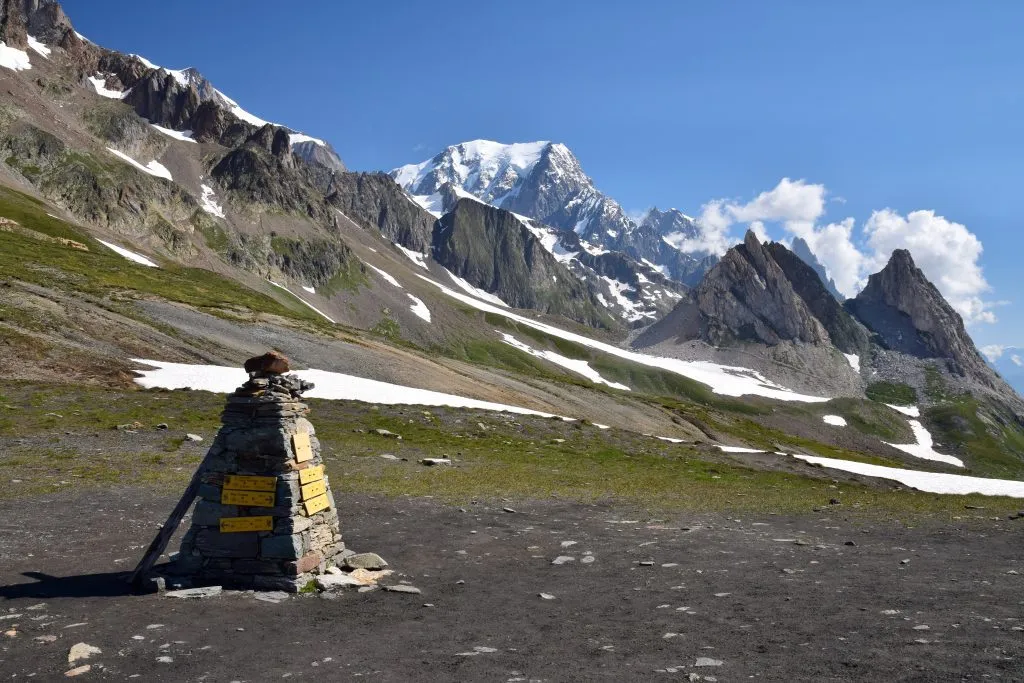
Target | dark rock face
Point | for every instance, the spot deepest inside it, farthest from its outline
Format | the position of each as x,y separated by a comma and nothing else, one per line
803,251
761,293
908,314
375,199
493,250
748,297
846,334
160,99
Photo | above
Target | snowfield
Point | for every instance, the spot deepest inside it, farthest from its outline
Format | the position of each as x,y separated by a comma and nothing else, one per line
834,420
723,379
130,255
153,168
854,361
14,59
930,482
208,202
39,47
329,385
414,256
923,448
911,411
99,84
183,135
580,367
390,279
419,308
473,291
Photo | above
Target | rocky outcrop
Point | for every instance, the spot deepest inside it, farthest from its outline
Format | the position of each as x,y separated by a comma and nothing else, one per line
908,314
317,153
748,297
374,199
493,250
846,334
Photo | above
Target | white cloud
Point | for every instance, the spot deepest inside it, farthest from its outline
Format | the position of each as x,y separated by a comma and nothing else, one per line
789,201
1017,360
946,251
994,351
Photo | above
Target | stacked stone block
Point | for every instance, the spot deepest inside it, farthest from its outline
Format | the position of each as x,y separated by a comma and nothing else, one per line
258,475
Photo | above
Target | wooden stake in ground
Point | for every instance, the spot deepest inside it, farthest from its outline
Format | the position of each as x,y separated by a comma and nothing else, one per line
159,544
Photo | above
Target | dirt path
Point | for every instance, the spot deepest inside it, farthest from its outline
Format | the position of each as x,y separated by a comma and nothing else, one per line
769,598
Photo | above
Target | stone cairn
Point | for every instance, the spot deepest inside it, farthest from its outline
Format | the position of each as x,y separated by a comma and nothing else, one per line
265,518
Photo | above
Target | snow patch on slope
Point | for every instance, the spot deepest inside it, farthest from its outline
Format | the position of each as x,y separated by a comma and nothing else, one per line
39,47
153,168
473,291
834,420
930,482
13,58
419,308
99,84
723,379
414,256
209,202
329,385
580,367
911,411
386,276
183,135
317,310
854,361
130,255
924,447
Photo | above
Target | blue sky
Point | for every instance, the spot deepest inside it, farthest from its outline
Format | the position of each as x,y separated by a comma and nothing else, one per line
910,106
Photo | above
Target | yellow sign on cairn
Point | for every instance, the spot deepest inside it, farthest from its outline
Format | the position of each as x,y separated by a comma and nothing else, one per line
247,498
230,525
311,474
310,491
317,504
303,449
242,483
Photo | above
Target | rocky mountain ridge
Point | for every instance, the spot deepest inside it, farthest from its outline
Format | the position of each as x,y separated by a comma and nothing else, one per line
545,182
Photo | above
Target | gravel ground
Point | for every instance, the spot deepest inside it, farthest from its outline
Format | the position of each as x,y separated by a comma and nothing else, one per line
697,597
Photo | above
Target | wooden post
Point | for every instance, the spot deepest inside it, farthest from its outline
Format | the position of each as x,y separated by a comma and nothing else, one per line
159,544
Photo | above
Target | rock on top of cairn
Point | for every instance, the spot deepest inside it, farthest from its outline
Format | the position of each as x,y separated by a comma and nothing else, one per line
272,363
267,378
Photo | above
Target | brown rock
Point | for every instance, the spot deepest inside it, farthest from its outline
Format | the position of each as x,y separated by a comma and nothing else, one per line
306,563
272,363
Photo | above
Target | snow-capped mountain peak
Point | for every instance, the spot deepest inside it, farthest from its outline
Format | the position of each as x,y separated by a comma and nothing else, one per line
485,169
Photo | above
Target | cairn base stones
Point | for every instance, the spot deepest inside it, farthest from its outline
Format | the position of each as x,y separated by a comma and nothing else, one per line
265,517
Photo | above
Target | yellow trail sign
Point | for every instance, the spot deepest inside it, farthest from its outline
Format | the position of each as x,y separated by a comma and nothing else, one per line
310,491
242,483
317,504
230,525
311,474
247,498
303,449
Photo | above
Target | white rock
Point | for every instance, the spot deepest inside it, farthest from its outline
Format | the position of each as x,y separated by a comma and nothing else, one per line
562,559
82,651
707,661
195,593
332,582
